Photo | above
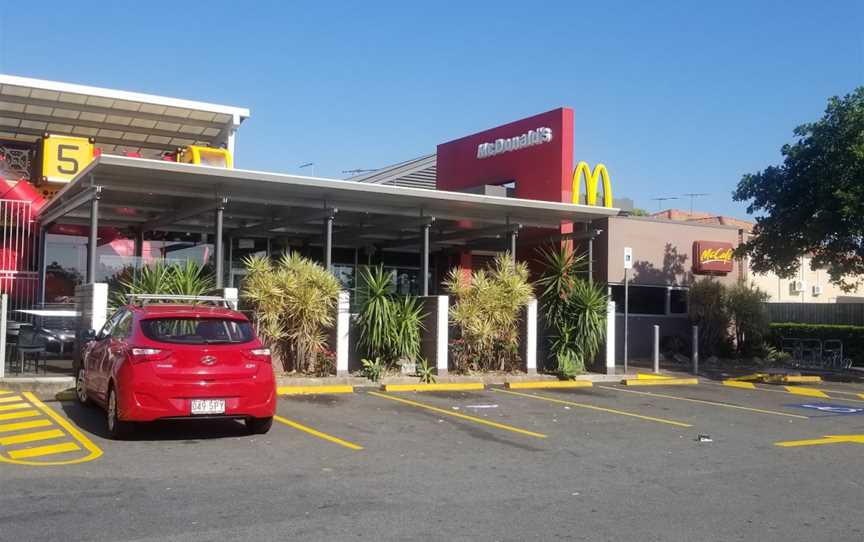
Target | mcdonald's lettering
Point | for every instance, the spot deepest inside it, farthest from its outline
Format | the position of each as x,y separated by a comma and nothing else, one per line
592,179
712,257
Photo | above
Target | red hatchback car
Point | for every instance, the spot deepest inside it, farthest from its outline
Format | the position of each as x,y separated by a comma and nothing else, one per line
163,362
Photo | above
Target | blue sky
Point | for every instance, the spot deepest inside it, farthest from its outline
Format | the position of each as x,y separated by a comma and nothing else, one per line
674,97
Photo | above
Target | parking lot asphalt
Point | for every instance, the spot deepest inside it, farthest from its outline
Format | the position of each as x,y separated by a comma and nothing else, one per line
703,462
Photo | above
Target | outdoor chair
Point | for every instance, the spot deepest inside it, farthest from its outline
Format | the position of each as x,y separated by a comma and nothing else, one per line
33,346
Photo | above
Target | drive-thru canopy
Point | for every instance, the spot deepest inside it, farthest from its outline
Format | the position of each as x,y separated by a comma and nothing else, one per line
150,195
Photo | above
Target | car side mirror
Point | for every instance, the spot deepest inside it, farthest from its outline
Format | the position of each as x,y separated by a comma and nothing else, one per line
88,335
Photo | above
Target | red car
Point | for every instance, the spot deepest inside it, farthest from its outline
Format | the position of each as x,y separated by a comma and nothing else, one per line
164,362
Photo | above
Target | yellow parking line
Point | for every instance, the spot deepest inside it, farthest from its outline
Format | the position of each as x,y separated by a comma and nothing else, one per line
317,433
593,407
714,403
807,392
5,392
94,450
22,414
16,406
31,437
10,399
312,390
5,428
460,415
40,451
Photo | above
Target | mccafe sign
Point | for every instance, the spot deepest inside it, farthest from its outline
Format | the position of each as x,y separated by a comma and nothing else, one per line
712,257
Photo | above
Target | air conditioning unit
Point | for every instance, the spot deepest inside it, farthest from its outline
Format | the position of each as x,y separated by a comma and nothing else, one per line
817,290
796,287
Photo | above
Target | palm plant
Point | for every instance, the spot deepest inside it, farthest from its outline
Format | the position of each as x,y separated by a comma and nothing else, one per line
487,310
390,327
188,278
574,310
294,301
376,320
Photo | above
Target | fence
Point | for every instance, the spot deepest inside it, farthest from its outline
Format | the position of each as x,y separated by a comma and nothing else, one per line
817,313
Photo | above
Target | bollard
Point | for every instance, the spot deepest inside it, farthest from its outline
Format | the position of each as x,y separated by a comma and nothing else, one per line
656,349
695,350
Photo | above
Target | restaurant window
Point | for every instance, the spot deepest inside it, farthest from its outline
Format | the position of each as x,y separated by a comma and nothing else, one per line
651,300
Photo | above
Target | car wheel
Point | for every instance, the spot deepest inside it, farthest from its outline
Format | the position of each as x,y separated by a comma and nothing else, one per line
258,426
81,388
117,428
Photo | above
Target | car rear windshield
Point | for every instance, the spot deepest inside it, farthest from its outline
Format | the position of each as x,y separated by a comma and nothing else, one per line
198,330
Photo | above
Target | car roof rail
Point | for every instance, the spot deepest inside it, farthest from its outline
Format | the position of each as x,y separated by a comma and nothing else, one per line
144,299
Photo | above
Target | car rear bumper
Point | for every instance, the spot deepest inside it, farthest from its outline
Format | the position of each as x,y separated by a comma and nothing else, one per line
146,397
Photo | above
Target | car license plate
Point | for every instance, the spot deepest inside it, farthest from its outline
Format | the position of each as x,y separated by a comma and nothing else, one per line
208,406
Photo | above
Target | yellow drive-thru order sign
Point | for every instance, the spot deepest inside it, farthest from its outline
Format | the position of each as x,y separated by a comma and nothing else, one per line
63,157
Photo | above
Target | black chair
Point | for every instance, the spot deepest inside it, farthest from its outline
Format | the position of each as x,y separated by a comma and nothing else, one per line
33,345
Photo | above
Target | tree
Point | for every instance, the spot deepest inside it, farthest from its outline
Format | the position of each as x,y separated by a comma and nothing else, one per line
814,202
748,316
638,211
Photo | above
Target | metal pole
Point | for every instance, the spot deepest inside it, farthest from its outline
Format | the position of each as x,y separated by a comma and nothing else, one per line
514,234
328,242
139,244
94,237
591,260
656,349
626,317
424,259
695,350
43,241
218,248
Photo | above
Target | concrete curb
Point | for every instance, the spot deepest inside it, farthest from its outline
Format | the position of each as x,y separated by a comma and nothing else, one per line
662,382
464,386
560,384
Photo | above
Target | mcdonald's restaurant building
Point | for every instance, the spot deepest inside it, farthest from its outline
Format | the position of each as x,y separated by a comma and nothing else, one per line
533,159
98,181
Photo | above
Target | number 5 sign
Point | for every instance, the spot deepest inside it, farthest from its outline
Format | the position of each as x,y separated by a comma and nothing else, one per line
63,157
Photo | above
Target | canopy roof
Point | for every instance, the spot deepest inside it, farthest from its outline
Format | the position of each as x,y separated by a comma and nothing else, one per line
119,121
149,195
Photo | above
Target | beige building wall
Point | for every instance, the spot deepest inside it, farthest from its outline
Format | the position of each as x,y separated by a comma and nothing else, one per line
802,291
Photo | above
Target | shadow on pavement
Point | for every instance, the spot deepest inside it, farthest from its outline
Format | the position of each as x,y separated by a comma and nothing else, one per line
91,419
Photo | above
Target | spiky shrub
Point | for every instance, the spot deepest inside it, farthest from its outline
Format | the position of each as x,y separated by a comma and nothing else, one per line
487,310
187,278
574,310
390,326
375,319
294,301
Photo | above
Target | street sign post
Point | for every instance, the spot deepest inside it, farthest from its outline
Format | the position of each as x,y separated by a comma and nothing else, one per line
628,265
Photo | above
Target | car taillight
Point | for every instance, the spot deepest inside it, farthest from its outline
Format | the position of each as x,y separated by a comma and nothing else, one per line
140,355
258,354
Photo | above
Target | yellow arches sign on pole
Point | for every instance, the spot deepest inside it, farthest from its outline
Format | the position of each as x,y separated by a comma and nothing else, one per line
592,179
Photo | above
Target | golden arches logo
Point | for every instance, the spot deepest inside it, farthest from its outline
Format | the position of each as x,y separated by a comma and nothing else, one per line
592,179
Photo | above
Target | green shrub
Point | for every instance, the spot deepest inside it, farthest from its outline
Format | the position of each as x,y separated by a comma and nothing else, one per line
373,369
486,311
188,278
748,316
390,326
574,310
426,372
851,336
708,310
294,301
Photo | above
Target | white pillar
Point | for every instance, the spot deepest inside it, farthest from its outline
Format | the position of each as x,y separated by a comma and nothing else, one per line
99,307
531,337
610,338
231,296
343,321
442,330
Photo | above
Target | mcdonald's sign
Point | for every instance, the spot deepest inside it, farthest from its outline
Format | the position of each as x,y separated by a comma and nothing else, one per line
711,257
592,179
